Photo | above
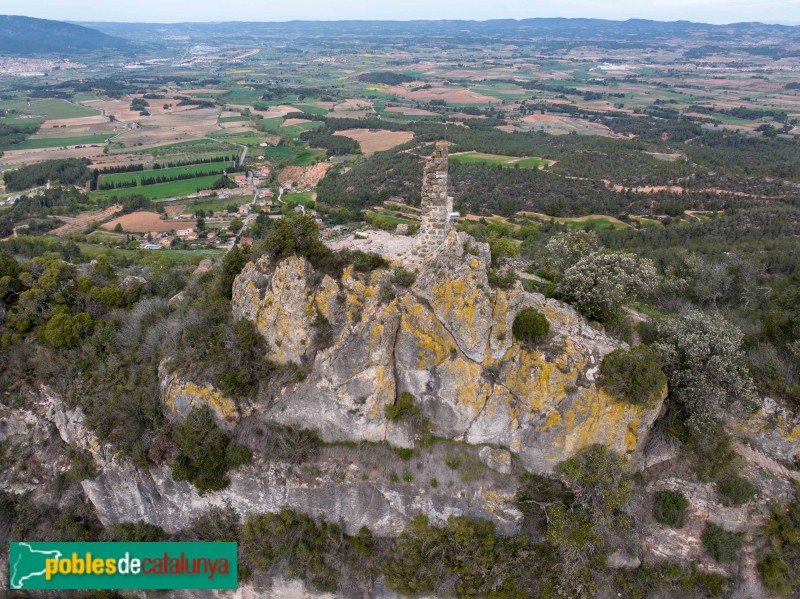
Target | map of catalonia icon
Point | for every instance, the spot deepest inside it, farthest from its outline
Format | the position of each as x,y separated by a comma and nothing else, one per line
28,563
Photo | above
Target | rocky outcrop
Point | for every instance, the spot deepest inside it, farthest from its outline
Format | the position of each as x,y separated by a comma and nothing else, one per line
277,300
447,340
180,397
326,490
662,543
773,429
335,487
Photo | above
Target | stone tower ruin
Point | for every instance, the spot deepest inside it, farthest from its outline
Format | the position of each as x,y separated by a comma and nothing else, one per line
436,204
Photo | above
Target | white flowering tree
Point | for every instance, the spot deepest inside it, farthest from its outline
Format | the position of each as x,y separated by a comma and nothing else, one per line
600,283
705,365
567,249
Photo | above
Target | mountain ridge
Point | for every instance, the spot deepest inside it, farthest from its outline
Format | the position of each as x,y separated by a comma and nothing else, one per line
23,36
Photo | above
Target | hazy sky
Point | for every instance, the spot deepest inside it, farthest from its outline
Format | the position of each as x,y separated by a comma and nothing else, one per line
709,11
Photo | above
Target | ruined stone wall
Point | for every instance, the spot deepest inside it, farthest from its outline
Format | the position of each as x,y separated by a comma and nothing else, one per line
436,205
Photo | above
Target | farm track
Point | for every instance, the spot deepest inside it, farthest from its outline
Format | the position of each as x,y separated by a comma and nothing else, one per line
77,223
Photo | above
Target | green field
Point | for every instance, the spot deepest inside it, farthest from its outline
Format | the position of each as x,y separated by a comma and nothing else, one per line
599,222
498,160
11,121
57,142
193,169
233,119
159,191
295,130
309,157
50,108
311,109
241,139
272,124
217,205
276,153
300,198
385,221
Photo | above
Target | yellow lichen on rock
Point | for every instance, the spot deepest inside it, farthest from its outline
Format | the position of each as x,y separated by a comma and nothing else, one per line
180,397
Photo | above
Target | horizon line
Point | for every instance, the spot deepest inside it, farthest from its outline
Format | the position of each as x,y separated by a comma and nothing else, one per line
366,20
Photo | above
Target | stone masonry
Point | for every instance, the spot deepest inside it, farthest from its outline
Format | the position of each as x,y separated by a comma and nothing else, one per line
436,205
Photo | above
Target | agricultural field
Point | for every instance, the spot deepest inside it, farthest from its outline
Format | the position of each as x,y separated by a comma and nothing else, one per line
496,160
49,108
377,141
143,222
138,176
59,142
214,204
160,191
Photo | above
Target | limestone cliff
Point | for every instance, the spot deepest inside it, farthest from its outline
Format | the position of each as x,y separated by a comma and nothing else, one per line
339,486
447,340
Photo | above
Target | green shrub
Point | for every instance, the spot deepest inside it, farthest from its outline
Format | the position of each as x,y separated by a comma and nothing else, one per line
363,262
736,490
403,277
64,331
502,279
602,480
530,325
780,571
670,508
206,452
633,375
721,544
405,408
452,462
716,456
776,575
405,453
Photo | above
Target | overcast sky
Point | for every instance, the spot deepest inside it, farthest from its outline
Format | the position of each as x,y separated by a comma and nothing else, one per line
708,11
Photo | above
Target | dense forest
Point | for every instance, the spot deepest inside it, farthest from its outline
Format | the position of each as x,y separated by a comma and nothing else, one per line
70,171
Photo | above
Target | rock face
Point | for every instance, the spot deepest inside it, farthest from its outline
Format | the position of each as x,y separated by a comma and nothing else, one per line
774,429
664,543
332,488
279,305
181,396
447,340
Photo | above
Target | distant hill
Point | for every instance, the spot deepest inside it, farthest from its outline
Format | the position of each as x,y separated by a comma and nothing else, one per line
557,34
23,36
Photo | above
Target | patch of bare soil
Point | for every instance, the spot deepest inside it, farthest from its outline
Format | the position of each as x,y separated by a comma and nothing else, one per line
379,140
142,222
